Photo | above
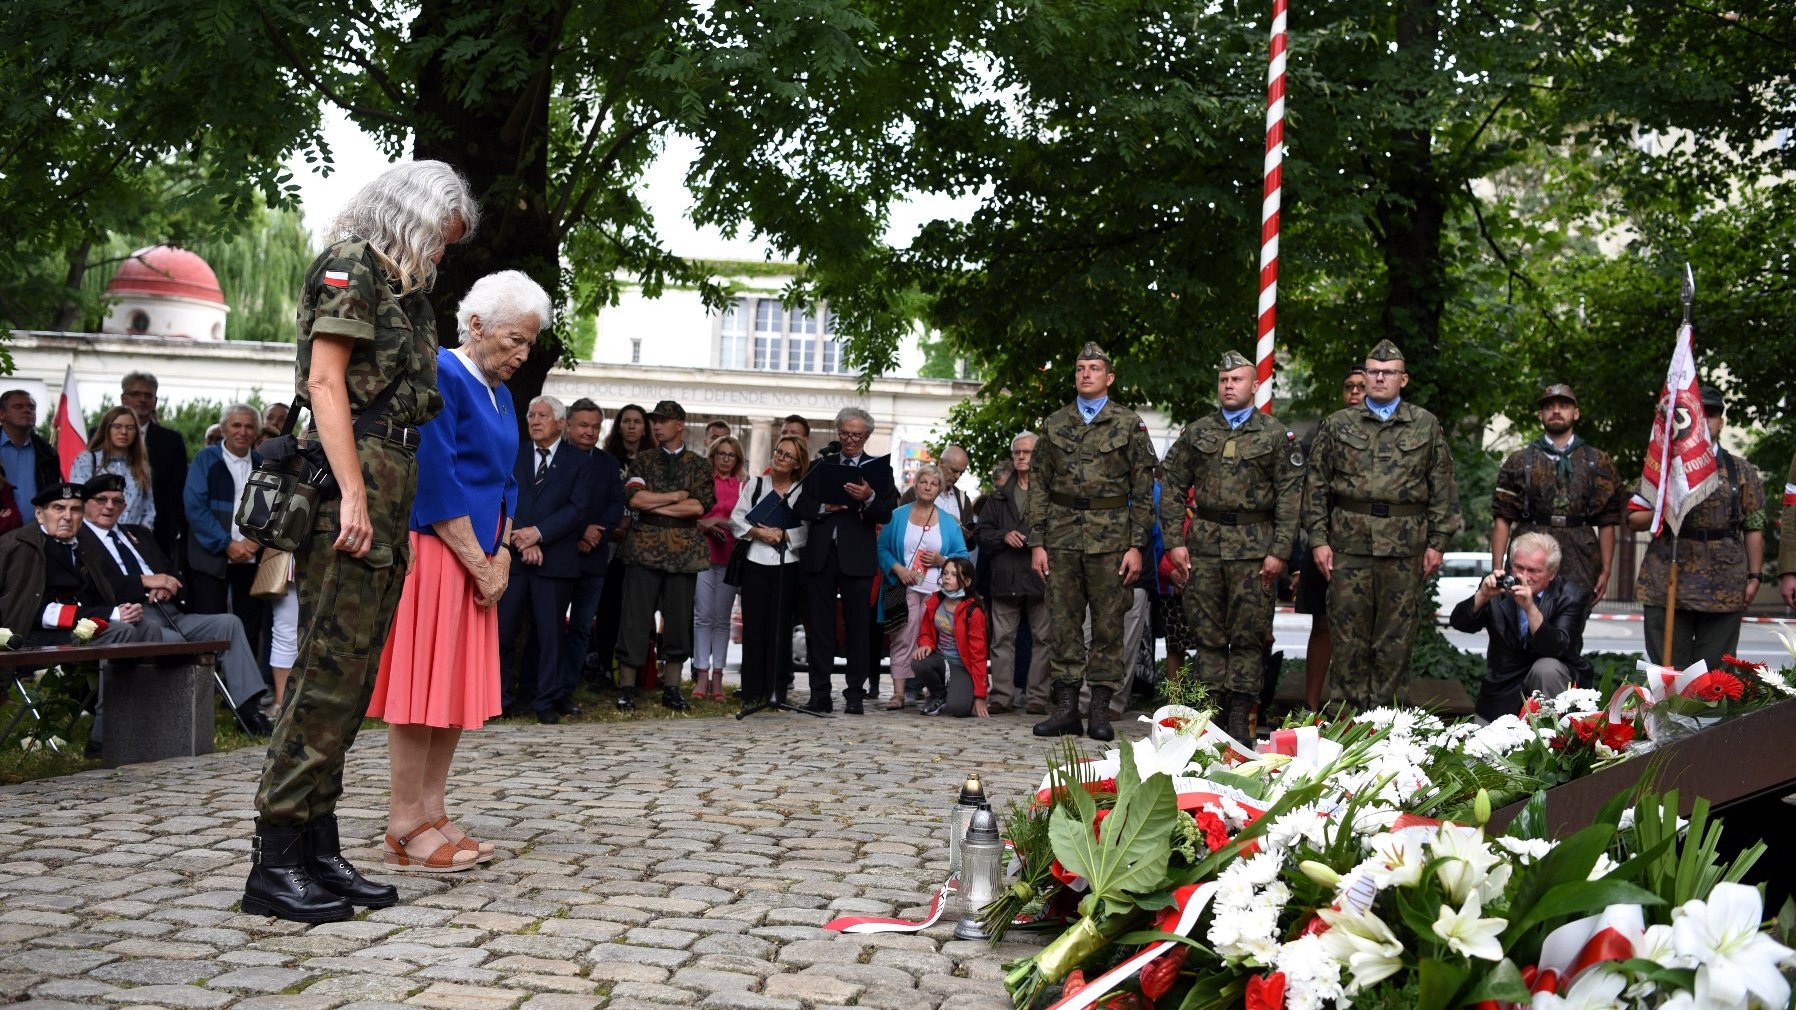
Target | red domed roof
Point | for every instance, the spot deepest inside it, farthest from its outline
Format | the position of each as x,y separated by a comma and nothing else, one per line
165,270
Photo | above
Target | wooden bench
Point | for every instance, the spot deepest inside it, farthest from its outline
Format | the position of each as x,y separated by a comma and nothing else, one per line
158,694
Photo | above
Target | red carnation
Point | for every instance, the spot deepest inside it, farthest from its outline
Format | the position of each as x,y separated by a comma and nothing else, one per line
1585,728
1715,686
1216,833
1530,707
1266,992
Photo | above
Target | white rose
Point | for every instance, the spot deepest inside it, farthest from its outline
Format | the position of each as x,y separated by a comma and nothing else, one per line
6,638
85,630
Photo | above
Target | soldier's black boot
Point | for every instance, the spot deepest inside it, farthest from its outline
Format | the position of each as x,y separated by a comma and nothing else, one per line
1239,718
670,688
325,863
1097,720
1064,720
279,885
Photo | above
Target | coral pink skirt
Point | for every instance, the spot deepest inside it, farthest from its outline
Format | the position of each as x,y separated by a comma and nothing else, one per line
441,664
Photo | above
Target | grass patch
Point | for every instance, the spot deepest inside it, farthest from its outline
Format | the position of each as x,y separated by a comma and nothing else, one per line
25,755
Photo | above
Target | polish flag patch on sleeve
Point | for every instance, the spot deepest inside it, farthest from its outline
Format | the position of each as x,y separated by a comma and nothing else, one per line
1789,495
336,278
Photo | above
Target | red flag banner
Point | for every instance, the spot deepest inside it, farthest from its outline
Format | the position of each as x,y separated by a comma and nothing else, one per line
1680,468
71,425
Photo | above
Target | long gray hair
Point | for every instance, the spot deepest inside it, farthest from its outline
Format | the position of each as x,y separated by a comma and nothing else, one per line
404,215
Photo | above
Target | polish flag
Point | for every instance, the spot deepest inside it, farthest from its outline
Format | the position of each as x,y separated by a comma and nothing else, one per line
71,428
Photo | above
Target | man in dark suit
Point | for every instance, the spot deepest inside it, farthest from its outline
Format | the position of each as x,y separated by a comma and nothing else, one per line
140,573
168,461
841,559
605,506
1536,628
545,545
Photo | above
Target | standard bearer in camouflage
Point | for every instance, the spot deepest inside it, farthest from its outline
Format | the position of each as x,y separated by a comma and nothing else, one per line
1089,522
1380,503
1786,549
1244,471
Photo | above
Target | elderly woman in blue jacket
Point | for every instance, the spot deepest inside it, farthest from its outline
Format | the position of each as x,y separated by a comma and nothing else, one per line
912,548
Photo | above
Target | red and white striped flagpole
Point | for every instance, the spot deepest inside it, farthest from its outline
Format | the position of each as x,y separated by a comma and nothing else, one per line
1275,156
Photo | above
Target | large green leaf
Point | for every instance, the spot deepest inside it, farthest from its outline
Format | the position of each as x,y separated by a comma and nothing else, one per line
1503,984
1584,897
1133,844
1440,982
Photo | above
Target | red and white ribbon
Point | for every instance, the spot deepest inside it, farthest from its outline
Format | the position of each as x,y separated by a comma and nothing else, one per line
1269,207
880,924
1190,902
1610,935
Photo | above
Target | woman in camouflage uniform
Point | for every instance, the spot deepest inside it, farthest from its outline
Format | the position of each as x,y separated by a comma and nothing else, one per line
365,324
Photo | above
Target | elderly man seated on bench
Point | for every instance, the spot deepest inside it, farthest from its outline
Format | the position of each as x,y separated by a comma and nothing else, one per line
1536,625
139,573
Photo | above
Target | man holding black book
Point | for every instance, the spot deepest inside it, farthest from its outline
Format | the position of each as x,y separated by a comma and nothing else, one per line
841,557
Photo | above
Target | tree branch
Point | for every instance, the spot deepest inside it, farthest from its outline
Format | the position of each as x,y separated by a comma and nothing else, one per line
298,66
375,73
603,168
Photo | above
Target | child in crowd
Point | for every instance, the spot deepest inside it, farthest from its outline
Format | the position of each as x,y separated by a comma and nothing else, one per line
950,654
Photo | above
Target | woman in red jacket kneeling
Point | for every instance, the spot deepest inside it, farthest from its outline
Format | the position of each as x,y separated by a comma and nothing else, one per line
950,654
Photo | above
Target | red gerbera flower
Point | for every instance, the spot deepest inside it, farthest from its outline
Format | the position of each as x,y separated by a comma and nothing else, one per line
1744,664
1616,735
1715,686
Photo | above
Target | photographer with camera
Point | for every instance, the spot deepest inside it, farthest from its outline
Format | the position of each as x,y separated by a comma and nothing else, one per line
1535,620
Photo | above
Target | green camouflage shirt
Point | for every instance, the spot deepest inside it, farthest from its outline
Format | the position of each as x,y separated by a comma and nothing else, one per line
1530,492
668,548
1110,457
1711,573
1403,461
1786,550
1253,468
348,294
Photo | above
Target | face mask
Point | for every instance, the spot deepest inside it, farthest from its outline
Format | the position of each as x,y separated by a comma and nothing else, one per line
954,594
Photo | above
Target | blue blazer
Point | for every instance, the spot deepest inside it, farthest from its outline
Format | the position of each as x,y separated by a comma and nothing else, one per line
210,498
605,500
557,507
891,540
465,456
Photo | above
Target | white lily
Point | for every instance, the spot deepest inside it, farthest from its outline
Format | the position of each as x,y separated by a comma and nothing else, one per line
1468,934
1364,943
1722,935
1171,756
1403,858
1596,989
1466,859
1788,639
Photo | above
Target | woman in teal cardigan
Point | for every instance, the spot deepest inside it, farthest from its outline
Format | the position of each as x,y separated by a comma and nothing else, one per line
912,548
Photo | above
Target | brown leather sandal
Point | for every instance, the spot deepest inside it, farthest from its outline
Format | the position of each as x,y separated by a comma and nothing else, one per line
467,843
443,860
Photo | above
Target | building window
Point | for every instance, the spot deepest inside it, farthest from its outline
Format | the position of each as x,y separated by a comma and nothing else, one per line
833,359
801,340
779,339
732,349
635,350
768,323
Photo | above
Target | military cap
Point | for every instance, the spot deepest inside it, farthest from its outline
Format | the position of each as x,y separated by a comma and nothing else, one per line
1712,398
1385,351
101,483
1232,360
57,492
1092,352
668,409
1557,391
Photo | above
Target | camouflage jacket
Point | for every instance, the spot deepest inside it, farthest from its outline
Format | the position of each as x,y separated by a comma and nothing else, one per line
1786,550
1403,461
1711,573
347,293
1110,457
668,548
1254,468
1531,495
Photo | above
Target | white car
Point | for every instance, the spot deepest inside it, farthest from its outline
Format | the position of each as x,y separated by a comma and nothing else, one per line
1460,573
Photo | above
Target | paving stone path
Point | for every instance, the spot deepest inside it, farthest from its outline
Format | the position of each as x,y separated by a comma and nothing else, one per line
680,862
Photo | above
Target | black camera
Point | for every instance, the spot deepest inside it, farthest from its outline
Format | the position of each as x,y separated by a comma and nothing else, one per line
1506,582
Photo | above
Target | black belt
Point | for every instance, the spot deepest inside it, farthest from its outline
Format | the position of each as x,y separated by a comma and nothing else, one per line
1071,501
403,436
1233,518
1380,509
656,519
1557,522
1706,535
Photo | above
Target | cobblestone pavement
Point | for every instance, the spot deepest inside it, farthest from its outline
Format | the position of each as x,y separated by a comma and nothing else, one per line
673,862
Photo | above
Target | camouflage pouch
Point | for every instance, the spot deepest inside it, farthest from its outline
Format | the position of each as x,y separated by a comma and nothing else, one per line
281,497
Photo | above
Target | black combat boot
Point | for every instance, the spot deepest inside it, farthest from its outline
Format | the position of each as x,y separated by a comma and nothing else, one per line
325,862
1064,719
1098,718
279,885
1239,718
672,699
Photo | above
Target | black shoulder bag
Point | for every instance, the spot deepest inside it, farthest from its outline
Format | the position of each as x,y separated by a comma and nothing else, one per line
732,572
281,497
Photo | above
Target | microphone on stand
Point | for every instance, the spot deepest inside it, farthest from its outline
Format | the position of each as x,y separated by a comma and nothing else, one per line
832,449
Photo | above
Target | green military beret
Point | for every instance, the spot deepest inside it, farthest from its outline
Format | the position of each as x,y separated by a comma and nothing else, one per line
1092,352
1232,360
1385,351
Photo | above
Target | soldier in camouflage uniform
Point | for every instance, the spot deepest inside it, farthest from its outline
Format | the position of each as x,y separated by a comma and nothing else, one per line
1564,487
1786,551
1088,524
1380,502
365,323
1245,472
670,487
1719,548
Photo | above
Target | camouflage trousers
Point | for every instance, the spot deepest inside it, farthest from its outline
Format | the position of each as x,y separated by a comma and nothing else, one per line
1228,615
346,608
1374,613
1076,581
